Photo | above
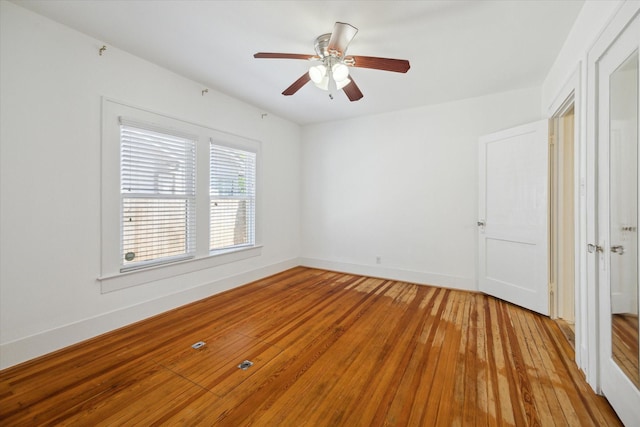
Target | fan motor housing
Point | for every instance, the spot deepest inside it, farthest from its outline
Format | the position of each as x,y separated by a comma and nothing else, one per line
321,44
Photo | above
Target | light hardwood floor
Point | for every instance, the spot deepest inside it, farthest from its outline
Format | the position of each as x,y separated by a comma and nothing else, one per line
328,349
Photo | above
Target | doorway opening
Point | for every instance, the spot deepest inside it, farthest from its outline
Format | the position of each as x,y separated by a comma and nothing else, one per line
562,219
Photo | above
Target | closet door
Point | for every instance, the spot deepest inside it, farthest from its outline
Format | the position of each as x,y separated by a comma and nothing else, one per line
618,186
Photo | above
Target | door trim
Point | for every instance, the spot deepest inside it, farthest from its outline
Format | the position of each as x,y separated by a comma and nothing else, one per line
557,178
571,94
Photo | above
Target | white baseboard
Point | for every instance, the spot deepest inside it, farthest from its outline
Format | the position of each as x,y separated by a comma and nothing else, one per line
21,350
418,277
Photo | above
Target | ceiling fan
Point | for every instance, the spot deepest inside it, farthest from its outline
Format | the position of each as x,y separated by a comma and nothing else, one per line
332,73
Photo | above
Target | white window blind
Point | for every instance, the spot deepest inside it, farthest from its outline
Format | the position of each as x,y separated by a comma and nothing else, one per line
158,188
232,198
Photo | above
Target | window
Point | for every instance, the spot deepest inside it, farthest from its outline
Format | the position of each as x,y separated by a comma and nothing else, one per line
158,196
231,198
176,197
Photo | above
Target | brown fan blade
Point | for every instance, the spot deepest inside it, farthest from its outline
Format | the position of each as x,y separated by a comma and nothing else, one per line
303,80
271,55
352,91
340,38
386,64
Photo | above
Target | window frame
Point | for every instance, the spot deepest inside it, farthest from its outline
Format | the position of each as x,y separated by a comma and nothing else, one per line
111,277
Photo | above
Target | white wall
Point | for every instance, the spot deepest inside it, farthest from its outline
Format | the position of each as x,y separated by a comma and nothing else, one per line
590,22
52,80
402,186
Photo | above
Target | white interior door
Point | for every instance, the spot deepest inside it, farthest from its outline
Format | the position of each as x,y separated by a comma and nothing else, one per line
618,184
513,216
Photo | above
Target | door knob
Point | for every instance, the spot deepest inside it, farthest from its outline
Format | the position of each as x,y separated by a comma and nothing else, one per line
594,248
617,249
481,223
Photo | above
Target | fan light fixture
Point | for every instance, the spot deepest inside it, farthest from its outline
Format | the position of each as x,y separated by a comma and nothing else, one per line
320,76
332,72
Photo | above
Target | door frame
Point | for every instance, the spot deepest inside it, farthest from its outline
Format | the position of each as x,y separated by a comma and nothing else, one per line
571,96
623,16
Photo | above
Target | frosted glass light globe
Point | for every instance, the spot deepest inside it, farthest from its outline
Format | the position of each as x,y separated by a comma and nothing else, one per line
317,73
340,72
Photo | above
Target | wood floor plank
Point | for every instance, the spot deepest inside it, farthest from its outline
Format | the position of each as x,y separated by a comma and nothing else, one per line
484,389
547,401
504,393
522,398
329,349
597,407
474,406
384,381
464,361
344,372
453,333
143,395
395,406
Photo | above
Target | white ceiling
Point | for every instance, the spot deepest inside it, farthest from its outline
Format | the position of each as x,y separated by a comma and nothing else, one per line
457,49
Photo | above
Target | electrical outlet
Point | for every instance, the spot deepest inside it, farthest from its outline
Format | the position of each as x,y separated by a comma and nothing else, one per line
378,260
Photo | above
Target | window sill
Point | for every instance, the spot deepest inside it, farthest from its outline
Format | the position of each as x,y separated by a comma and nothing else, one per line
114,282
